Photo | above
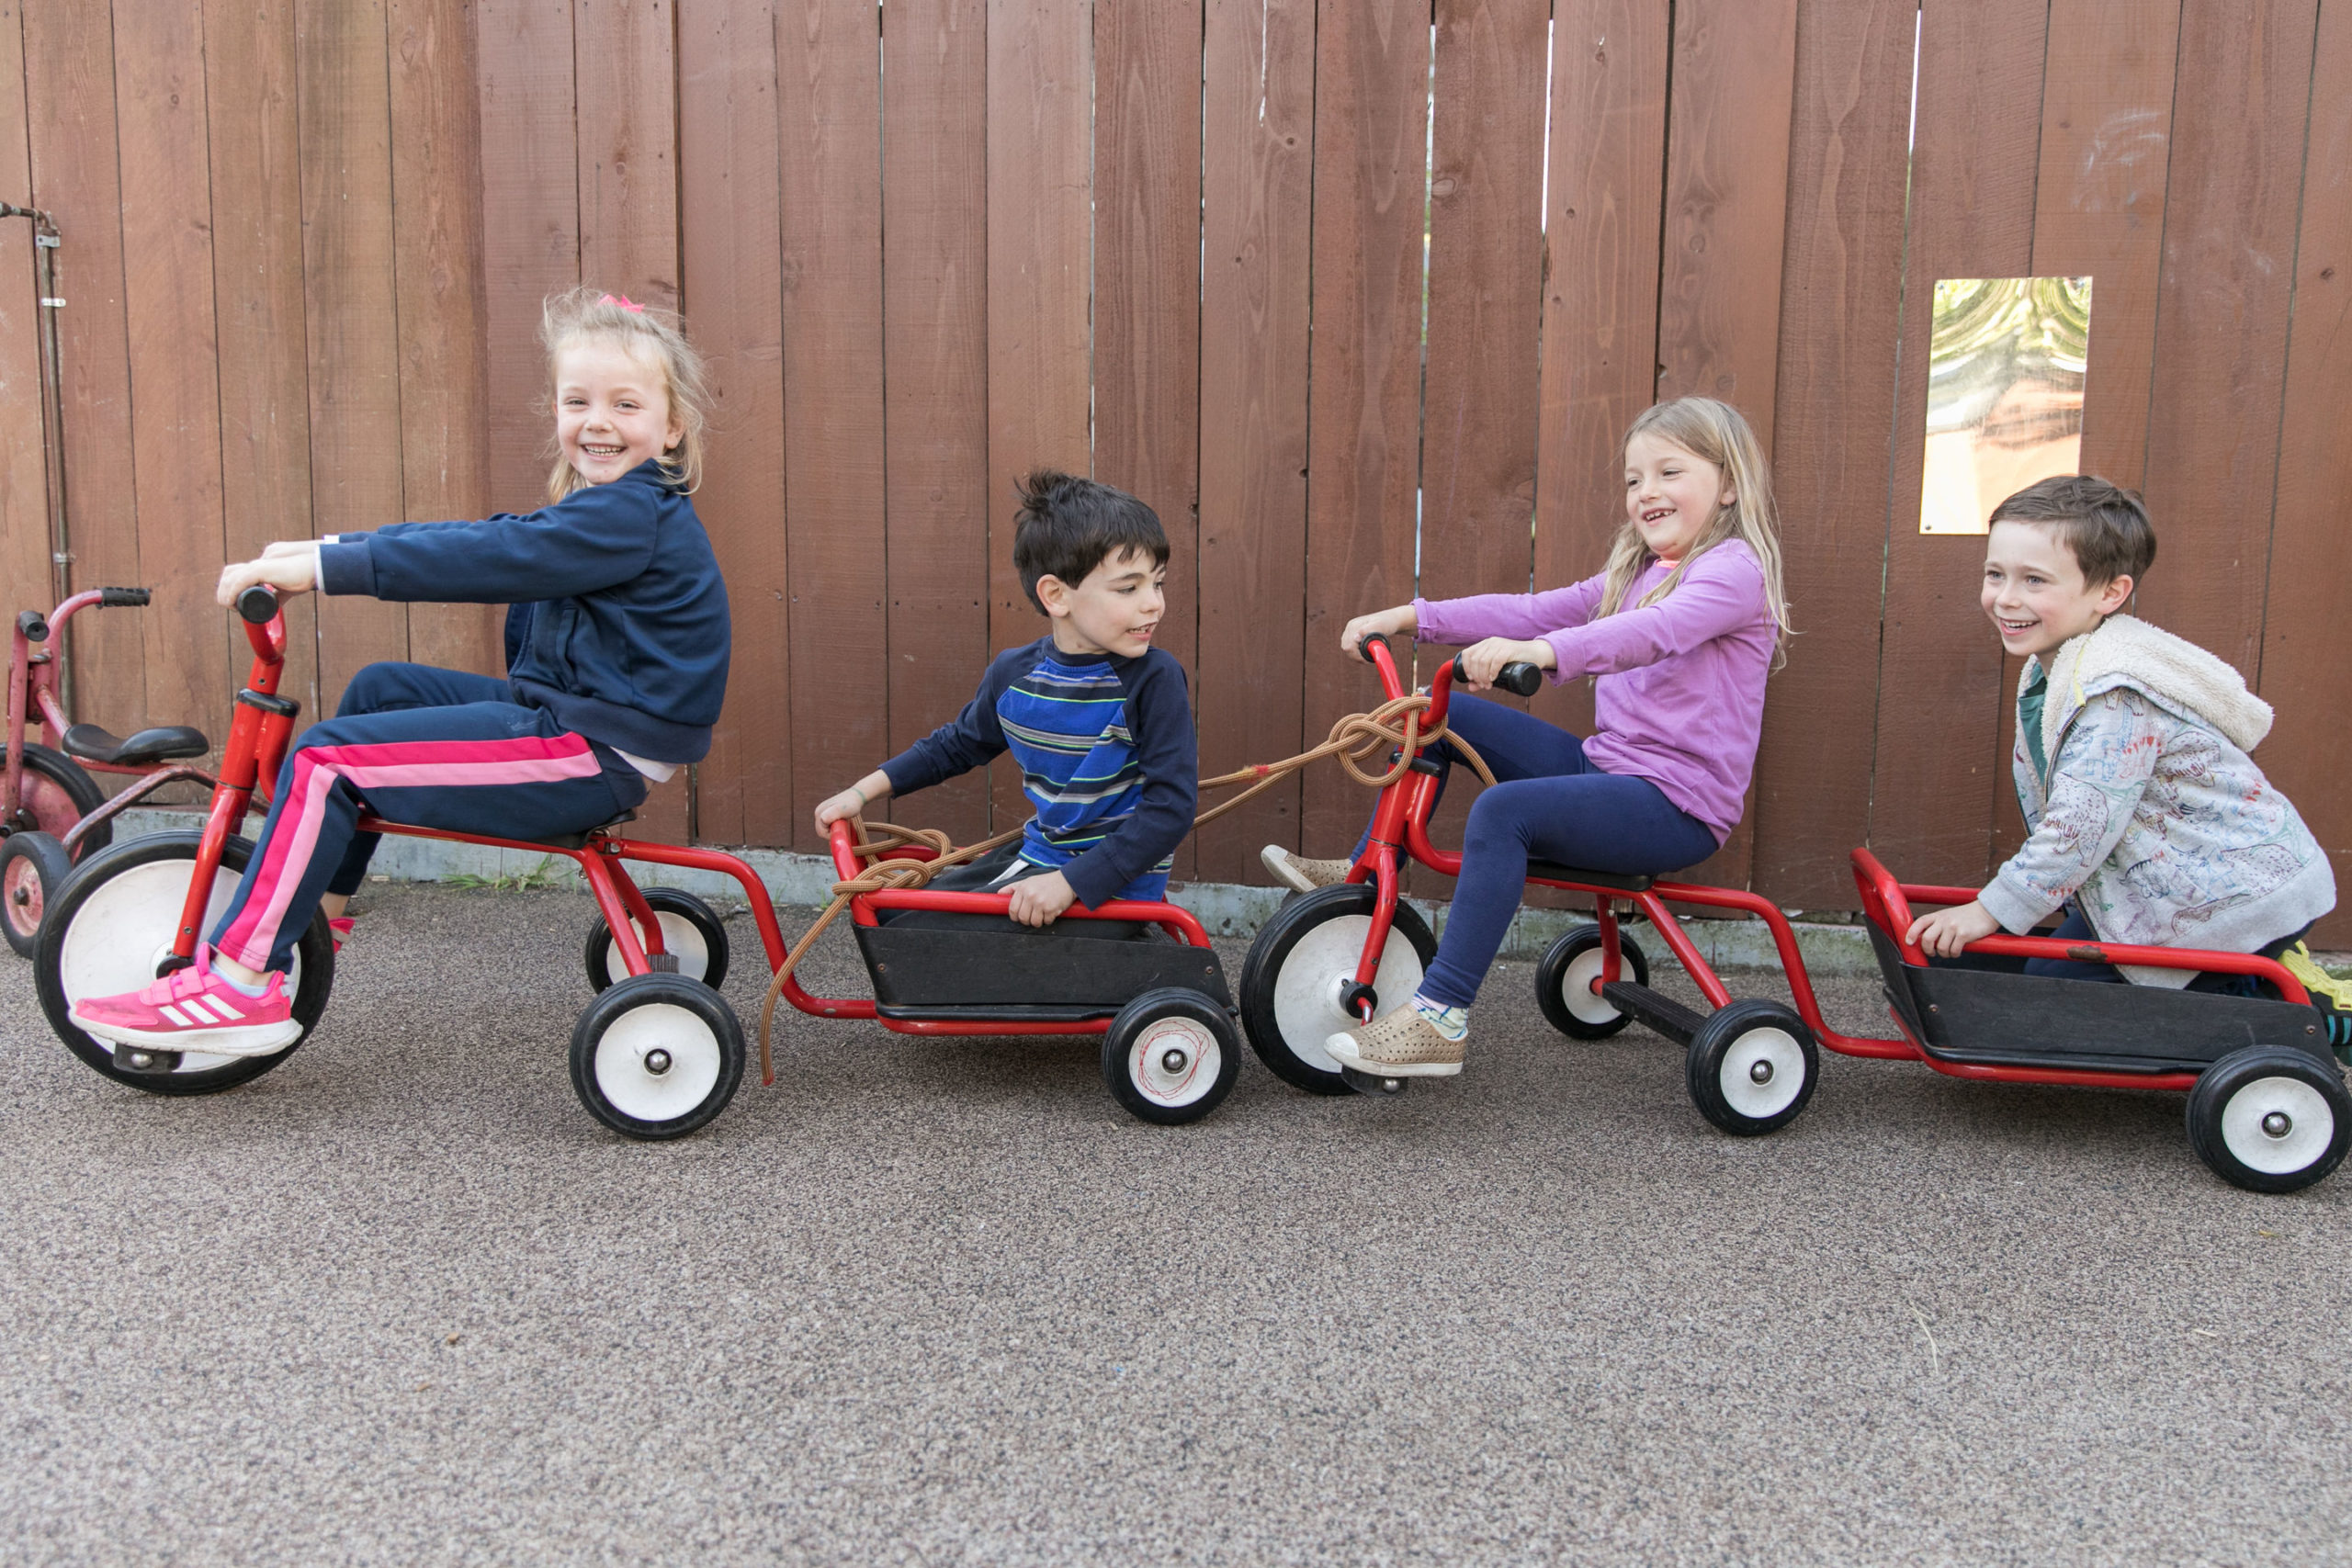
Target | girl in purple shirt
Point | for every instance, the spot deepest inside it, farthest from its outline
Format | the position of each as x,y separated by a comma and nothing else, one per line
1680,630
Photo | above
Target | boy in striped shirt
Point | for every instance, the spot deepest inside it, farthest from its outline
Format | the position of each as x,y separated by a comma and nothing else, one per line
1096,716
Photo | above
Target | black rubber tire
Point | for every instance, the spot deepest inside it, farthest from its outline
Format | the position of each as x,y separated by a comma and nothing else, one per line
314,979
1145,1026
2243,1072
1551,975
611,1010
1729,1035
710,969
1261,973
80,788
32,868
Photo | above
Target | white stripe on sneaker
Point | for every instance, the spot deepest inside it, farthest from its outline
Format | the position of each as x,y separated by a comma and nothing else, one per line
193,1007
221,1005
176,1015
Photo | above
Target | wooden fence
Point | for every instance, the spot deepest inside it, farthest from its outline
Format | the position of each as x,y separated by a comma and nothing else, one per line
1349,292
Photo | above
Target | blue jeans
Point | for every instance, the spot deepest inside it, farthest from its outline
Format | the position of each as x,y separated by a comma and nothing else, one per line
1548,802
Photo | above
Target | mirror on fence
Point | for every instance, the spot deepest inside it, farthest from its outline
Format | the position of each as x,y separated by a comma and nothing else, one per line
2006,363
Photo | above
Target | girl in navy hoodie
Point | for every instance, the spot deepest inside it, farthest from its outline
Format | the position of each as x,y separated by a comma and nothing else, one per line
616,651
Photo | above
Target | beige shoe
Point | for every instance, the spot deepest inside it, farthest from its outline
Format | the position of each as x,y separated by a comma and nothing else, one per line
1299,873
1405,1045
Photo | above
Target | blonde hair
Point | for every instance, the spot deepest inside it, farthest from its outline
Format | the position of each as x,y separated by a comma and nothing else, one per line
1714,432
648,333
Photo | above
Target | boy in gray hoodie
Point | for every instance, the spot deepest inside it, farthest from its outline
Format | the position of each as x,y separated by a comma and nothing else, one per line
2146,812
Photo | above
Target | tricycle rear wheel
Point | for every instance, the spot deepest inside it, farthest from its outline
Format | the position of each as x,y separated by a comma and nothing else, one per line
692,932
32,868
657,1056
1564,983
1751,1067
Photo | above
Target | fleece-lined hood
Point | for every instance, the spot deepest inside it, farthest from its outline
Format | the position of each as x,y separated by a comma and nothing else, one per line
2125,650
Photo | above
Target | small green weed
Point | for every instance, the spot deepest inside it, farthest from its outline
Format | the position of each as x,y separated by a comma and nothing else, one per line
543,874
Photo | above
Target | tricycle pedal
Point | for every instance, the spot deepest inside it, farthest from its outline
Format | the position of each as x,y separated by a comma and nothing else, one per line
1371,1083
145,1059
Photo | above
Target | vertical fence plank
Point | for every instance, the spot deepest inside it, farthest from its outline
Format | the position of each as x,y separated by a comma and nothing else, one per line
828,105
1485,311
1833,412
1726,213
2223,303
1258,175
70,101
730,191
2306,659
174,384
1148,288
1971,215
1371,140
355,355
24,485
1040,194
625,88
257,292
531,203
935,377
1609,75
437,272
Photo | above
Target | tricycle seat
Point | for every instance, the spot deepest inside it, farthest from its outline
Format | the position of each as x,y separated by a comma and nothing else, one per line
1552,871
1991,1013
936,972
576,840
163,743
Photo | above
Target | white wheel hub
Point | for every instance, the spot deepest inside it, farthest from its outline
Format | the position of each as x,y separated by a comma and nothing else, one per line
681,938
123,930
1587,1005
657,1062
1174,1061
1319,966
2277,1125
1763,1072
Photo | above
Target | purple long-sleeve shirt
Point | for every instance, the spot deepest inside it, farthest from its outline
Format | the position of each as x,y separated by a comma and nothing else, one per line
1681,695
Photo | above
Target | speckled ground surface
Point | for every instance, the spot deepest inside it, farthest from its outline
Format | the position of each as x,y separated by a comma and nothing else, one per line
938,1302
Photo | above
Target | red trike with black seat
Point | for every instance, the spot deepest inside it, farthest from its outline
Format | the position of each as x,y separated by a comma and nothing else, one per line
660,1051
2267,1108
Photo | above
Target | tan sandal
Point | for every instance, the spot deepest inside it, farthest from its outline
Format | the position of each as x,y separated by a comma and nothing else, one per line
1299,873
1405,1045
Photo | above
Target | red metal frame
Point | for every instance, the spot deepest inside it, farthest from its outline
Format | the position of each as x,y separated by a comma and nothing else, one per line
1400,828
257,741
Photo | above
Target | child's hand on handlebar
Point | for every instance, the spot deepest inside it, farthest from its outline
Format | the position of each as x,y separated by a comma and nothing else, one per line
1483,661
1945,932
852,801
1400,621
295,571
1039,900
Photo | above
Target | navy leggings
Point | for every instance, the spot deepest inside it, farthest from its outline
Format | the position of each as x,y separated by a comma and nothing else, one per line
1548,802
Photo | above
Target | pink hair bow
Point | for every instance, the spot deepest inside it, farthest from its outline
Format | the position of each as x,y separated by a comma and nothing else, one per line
624,302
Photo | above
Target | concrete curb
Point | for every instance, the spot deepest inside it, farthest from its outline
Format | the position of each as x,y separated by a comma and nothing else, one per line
1226,909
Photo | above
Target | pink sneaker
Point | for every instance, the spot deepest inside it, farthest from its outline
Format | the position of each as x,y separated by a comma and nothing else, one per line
195,1010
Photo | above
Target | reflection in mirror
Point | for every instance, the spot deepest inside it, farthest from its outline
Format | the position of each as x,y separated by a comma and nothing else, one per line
2005,393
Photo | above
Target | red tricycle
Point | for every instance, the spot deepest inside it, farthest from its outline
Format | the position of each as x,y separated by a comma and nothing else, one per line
2267,1108
660,1051
52,813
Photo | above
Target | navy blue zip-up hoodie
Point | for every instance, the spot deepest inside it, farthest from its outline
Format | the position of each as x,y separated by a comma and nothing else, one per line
619,624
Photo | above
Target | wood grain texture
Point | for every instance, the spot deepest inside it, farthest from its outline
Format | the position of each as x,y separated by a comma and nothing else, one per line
1040,191
828,110
1256,206
255,164
438,299
1971,215
935,377
1147,288
1607,145
1370,182
531,203
1726,203
346,116
1833,401
69,108
2224,299
730,194
2306,659
24,481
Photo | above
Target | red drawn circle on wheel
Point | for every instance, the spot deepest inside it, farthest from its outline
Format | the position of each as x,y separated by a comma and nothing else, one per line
21,895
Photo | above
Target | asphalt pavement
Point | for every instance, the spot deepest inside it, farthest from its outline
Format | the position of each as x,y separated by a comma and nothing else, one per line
935,1302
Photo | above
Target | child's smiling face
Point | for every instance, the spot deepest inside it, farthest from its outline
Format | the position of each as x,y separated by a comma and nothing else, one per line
1672,495
2034,590
612,410
1116,609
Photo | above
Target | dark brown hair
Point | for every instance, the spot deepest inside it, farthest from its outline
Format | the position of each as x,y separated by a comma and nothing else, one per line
2105,527
1068,526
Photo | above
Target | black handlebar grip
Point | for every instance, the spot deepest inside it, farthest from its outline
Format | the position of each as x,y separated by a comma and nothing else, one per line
34,625
1364,646
1519,680
257,604
119,598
